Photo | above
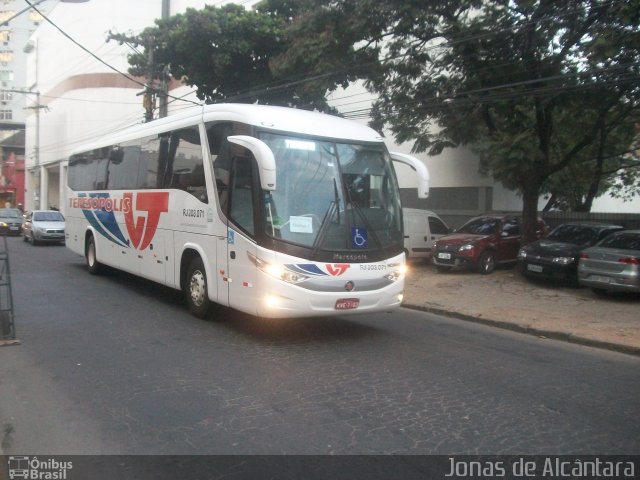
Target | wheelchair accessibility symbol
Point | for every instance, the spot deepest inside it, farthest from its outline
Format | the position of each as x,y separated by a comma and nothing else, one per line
359,237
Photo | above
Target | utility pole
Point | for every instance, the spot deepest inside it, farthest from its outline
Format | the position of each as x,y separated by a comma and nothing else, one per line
164,76
151,91
36,147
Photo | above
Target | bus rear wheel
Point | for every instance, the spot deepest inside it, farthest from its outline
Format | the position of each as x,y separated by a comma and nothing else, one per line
196,290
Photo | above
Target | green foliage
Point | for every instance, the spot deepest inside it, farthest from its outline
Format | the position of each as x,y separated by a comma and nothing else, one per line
224,52
546,92
530,85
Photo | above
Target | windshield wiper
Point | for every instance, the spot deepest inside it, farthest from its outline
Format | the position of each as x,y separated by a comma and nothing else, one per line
336,197
322,232
334,206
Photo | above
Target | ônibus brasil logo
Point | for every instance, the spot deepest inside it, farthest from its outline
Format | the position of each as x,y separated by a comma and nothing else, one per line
141,211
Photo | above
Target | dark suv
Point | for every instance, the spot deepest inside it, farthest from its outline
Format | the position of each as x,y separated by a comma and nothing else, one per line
481,244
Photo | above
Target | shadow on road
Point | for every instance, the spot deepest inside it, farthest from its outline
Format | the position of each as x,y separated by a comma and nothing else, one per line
296,330
264,330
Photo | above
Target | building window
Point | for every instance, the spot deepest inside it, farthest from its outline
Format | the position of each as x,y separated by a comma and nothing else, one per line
6,115
6,56
6,75
6,15
5,36
35,17
5,96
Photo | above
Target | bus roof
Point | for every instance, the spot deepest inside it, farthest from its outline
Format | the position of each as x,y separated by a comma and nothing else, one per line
269,117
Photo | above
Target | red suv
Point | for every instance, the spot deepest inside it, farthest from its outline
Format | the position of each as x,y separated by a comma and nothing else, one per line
481,244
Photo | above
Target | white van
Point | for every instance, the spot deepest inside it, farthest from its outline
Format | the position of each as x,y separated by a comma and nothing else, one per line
421,229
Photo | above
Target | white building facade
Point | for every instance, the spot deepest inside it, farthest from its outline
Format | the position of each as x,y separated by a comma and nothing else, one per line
81,98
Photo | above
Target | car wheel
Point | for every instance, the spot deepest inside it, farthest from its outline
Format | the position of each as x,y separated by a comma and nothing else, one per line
195,289
90,257
486,263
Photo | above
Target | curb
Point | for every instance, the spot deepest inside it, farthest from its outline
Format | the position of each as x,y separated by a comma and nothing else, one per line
566,337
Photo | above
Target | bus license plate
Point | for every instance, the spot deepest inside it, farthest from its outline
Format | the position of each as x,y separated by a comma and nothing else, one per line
347,303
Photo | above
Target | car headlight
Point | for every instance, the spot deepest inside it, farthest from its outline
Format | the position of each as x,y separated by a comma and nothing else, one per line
563,260
466,247
4,224
522,254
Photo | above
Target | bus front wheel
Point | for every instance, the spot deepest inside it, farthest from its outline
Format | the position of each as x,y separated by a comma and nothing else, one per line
90,257
196,289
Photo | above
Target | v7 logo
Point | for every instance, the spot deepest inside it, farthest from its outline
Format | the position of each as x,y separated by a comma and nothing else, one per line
337,269
143,228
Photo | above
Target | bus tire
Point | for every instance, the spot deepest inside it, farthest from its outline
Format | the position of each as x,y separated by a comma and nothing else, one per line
195,289
93,266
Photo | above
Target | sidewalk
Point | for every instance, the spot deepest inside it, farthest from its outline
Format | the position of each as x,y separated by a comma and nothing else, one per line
506,299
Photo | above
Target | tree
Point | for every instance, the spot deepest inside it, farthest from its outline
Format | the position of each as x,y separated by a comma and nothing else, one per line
529,85
607,165
224,52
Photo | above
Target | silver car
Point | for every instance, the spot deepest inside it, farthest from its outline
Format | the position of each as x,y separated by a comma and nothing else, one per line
613,264
43,226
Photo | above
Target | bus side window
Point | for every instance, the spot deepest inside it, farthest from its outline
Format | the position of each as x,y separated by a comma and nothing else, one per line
123,173
180,163
148,169
221,153
241,202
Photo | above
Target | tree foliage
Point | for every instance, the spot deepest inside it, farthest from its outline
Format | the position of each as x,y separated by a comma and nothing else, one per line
532,86
224,52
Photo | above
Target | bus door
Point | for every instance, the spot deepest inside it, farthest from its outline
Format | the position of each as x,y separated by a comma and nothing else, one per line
241,272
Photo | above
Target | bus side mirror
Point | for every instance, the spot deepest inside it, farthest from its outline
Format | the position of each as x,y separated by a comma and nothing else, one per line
419,167
264,157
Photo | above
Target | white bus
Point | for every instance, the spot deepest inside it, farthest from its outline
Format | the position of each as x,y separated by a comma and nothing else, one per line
272,211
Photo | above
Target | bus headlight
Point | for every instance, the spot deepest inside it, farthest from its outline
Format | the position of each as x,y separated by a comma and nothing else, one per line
278,271
272,301
398,270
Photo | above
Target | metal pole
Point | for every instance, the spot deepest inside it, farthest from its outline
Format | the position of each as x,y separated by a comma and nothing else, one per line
164,84
36,151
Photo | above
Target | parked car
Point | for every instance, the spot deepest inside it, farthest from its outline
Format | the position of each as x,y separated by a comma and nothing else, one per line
556,256
43,226
421,229
10,221
481,244
613,264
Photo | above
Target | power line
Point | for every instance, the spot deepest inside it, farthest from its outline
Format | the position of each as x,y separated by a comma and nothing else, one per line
111,67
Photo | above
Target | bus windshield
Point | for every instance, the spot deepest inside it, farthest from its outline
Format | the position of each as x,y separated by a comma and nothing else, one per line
332,196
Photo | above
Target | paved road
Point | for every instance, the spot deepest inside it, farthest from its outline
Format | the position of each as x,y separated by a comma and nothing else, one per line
113,364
